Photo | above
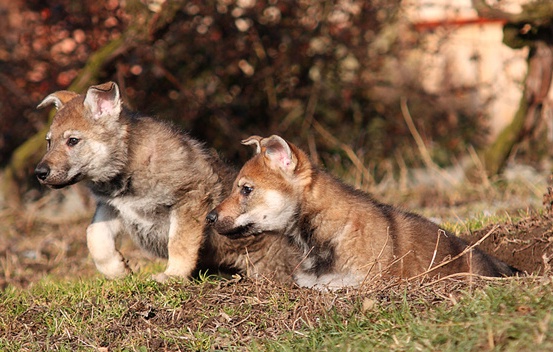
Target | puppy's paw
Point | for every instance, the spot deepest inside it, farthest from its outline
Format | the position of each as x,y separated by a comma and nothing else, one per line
164,277
116,268
161,277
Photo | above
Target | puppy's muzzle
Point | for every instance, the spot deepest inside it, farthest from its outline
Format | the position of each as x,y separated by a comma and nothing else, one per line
42,171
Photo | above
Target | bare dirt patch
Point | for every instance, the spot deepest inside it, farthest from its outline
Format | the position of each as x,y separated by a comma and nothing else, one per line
526,244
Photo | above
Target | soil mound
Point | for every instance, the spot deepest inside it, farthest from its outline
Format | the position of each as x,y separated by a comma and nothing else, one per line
526,244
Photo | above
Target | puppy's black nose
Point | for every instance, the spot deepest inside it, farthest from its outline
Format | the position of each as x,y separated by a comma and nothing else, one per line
42,171
211,218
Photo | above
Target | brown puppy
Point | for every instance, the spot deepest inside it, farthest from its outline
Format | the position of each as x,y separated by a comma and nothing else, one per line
346,236
151,181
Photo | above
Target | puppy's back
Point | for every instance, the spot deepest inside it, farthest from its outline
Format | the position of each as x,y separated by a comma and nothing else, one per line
425,245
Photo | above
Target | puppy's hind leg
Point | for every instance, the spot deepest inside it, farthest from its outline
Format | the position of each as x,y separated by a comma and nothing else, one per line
100,237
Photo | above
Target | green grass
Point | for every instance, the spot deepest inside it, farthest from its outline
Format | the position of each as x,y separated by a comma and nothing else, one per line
503,317
138,314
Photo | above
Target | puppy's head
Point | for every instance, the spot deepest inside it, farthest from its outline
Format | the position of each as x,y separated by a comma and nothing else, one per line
81,139
266,192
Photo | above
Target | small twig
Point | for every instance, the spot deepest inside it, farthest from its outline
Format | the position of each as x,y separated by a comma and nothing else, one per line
416,136
398,259
261,53
311,104
471,281
479,166
378,257
313,149
241,321
425,155
346,148
403,170
309,117
302,260
463,275
440,231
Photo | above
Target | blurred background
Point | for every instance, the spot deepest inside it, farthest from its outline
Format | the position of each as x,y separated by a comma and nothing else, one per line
371,89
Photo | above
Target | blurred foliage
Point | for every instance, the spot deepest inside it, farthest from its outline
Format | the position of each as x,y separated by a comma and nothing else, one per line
225,70
43,46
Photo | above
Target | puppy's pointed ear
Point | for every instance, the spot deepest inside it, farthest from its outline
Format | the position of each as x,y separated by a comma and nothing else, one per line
278,154
59,99
255,141
103,100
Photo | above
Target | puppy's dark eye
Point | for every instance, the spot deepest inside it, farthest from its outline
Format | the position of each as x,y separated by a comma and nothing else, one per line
72,141
246,190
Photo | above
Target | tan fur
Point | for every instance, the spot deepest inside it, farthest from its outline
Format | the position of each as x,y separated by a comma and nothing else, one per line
151,181
346,236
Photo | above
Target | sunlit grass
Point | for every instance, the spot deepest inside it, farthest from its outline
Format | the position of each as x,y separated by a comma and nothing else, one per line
137,313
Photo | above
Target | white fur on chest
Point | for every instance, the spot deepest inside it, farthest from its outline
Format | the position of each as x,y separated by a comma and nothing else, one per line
146,222
133,210
143,213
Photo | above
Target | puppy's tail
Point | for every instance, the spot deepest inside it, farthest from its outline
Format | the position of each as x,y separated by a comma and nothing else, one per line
498,268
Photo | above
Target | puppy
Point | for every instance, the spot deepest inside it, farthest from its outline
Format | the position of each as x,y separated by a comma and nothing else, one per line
346,236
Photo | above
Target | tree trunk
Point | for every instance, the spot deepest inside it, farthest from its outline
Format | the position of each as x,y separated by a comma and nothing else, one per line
533,27
529,113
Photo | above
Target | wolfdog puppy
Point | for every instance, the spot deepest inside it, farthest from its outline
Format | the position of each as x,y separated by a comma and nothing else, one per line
152,181
345,235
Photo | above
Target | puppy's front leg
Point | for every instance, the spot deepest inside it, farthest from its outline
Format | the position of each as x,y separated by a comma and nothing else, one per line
100,237
186,234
